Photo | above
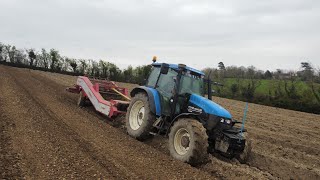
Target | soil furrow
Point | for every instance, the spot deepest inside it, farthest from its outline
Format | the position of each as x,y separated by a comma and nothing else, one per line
134,159
266,131
63,153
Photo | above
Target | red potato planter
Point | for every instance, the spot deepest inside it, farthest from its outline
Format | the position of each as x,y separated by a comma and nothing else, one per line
105,96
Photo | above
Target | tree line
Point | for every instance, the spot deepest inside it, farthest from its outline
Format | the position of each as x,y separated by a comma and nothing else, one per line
283,90
51,60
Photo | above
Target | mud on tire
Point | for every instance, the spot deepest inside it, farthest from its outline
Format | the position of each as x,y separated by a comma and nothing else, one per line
196,152
139,118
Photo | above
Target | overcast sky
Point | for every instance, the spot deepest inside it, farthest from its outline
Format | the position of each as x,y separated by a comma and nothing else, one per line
268,34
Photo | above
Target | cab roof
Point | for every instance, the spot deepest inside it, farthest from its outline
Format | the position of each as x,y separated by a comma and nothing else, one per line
176,67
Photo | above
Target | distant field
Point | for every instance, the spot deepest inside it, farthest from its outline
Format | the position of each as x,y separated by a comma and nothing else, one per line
271,85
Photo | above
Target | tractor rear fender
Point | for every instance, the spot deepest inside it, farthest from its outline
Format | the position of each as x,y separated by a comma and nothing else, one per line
153,96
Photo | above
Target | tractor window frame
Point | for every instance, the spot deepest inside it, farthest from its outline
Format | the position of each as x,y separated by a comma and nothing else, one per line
153,77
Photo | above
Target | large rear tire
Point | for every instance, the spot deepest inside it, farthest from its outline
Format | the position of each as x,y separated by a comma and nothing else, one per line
139,118
188,141
245,155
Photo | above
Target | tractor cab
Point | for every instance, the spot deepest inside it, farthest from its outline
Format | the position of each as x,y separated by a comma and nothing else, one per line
181,90
175,84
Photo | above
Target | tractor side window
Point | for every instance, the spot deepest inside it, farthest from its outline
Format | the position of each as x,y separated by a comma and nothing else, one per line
165,87
167,82
153,77
191,84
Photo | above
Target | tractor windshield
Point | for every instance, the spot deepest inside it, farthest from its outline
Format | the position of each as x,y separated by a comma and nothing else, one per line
192,84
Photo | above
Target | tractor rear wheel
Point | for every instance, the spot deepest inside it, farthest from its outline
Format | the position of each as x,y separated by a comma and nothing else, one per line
188,141
139,118
244,156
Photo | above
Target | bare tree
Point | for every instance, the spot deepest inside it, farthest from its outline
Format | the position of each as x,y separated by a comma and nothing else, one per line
83,66
278,73
73,64
32,56
54,56
2,46
104,68
63,64
11,53
37,60
309,75
268,75
20,57
251,72
307,72
94,68
44,59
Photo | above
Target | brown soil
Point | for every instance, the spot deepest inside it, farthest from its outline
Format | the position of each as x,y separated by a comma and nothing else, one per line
44,135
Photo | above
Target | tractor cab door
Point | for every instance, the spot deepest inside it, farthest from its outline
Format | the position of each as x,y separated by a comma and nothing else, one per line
165,87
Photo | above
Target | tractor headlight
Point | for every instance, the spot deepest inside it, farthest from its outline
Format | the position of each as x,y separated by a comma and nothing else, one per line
225,121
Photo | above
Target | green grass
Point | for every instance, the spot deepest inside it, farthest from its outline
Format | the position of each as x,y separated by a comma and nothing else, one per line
303,100
271,85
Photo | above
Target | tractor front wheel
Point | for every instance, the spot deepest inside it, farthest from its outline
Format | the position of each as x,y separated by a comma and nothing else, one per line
139,118
188,141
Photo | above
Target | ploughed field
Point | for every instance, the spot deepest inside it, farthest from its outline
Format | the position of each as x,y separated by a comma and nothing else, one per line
44,135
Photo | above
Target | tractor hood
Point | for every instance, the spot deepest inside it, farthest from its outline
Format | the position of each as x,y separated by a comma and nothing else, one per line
209,106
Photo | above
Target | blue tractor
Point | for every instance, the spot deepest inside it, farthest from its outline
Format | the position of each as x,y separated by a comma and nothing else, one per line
172,103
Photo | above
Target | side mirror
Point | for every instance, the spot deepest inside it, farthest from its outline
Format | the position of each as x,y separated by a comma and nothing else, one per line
164,68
